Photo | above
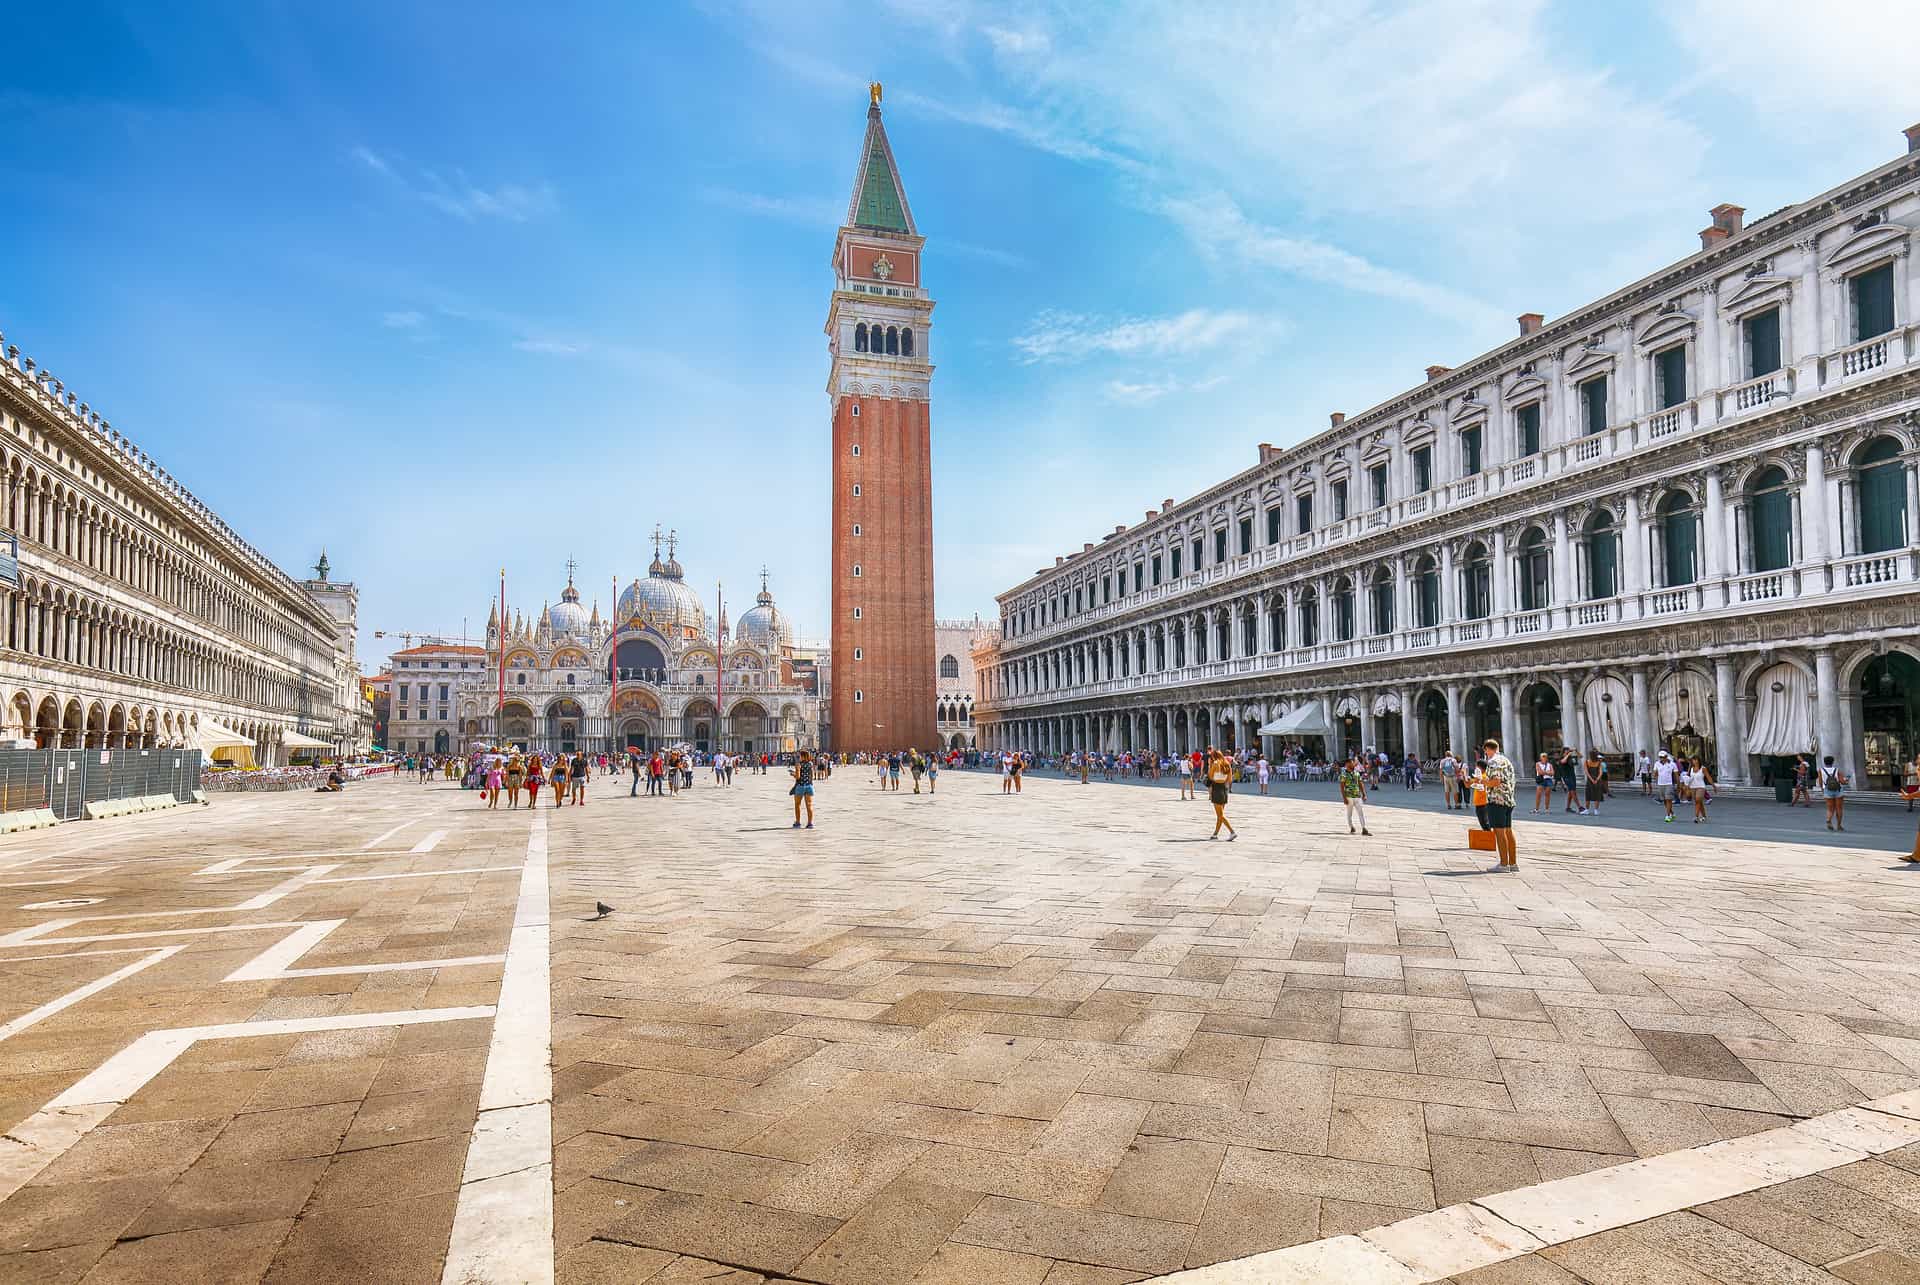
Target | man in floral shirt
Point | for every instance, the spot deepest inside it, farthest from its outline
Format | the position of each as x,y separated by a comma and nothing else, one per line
1499,771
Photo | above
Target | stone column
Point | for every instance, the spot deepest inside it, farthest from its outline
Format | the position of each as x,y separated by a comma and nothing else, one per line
1715,535
1503,598
1509,720
1456,719
1633,544
1448,593
1367,738
1646,730
1813,506
1409,725
1826,703
1569,724
1728,732
1565,591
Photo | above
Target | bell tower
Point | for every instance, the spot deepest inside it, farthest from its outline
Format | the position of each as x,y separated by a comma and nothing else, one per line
879,336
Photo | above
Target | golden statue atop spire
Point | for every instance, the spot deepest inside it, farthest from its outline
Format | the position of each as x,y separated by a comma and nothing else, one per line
873,92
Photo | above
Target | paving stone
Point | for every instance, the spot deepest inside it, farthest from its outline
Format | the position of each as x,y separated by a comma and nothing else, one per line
398,1241
603,1262
1163,1178
754,1236
1327,1176
241,1252
1081,1235
895,1233
1241,1220
1878,1267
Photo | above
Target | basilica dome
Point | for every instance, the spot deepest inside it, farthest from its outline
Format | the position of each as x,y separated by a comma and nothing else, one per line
663,600
568,618
762,625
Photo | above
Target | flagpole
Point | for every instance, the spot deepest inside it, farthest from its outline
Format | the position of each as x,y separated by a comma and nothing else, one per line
719,670
613,671
500,699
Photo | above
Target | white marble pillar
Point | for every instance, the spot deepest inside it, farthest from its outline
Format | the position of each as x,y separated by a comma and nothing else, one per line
1565,591
1368,739
1646,728
1502,576
1456,718
1509,720
1813,505
1826,704
1409,725
1728,733
1716,527
1449,592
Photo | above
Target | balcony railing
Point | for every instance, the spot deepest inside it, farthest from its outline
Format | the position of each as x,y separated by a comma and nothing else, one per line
1523,470
1469,631
1588,449
1598,612
1529,622
1766,586
1758,392
1670,421
1873,569
1862,357
1665,602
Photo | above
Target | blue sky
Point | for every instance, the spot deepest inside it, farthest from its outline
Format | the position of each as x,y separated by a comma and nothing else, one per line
446,288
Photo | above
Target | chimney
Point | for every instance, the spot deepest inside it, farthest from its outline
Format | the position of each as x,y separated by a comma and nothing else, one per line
1058,560
1337,418
1530,322
1434,372
1152,514
1166,506
1913,138
1728,217
1086,548
1711,237
1120,527
1266,451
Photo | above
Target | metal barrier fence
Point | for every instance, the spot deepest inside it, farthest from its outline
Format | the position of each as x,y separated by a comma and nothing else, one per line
67,780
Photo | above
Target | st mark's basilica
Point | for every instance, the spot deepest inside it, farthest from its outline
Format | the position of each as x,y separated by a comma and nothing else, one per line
650,676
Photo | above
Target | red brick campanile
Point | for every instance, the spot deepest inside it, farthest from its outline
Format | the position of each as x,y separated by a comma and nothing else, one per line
878,333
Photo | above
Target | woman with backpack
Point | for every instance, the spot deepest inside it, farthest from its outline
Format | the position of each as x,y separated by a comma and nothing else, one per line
1833,784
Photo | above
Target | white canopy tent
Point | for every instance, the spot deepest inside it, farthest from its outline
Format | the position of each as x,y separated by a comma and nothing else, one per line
301,741
218,741
1307,720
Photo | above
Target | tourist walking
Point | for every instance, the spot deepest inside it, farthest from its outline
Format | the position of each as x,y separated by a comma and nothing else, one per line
1595,770
1219,785
536,777
516,778
1450,780
1700,788
1542,784
917,766
1498,813
559,777
1833,786
1643,769
1665,770
1353,793
578,778
1566,776
802,790
1185,767
1019,769
1802,776
1006,772
1262,771
495,778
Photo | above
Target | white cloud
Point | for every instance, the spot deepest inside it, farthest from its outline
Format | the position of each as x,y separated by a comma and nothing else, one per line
1007,41
459,196
550,347
1847,64
403,320
816,211
1142,393
1066,337
1218,227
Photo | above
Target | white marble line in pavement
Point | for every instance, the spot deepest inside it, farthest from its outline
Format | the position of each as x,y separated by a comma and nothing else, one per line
420,874
429,843
1492,1229
50,1132
73,997
25,936
154,932
275,963
503,1222
384,835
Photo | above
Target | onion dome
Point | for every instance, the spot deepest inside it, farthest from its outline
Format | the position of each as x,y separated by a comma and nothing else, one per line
762,625
567,618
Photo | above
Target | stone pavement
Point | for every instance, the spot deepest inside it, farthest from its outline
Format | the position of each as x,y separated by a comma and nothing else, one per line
960,1039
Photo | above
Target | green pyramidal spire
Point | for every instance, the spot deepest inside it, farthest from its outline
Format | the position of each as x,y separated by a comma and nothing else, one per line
879,202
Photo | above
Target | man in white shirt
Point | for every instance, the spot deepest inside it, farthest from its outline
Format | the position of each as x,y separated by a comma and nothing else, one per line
1643,768
1664,771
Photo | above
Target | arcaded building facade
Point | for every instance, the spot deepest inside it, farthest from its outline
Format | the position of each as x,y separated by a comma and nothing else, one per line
140,619
954,642
879,336
1681,516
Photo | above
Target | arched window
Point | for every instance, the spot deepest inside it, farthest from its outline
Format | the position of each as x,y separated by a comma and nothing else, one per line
1476,583
1249,633
1679,536
1381,591
1882,497
1426,574
893,342
1770,520
1309,618
860,337
949,666
1343,610
906,341
1536,583
1603,556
